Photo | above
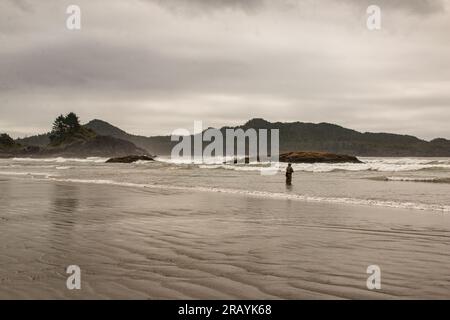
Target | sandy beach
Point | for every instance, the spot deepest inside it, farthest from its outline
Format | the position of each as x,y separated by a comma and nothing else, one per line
162,244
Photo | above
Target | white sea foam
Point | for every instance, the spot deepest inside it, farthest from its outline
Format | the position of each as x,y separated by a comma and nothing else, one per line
381,165
204,160
143,162
63,168
63,160
273,195
369,164
249,167
31,174
416,179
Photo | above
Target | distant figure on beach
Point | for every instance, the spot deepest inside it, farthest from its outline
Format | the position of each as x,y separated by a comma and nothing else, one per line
289,172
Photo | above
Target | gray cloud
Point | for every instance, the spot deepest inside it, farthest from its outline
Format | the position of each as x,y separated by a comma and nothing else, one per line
210,4
23,5
414,6
150,70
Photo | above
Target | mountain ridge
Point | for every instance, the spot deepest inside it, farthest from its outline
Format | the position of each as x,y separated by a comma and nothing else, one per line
296,136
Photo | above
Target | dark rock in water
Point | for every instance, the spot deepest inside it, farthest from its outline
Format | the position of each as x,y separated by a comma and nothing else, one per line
304,157
317,157
129,159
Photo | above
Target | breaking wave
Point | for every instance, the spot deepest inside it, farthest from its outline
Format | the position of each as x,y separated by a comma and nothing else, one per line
369,164
26,174
412,179
62,160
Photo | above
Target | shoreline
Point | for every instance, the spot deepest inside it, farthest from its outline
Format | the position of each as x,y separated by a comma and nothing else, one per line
271,195
432,208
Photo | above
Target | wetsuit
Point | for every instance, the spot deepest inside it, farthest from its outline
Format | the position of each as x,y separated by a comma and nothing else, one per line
289,172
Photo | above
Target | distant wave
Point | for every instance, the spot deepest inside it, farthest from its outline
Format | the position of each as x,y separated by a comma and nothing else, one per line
380,165
369,164
412,179
325,167
31,174
63,167
234,167
9,166
435,168
62,160
272,195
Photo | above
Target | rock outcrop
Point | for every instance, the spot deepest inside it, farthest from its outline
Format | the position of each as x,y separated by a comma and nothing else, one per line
129,159
317,157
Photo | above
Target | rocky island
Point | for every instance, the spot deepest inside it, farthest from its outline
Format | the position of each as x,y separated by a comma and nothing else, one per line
69,139
130,159
305,157
317,157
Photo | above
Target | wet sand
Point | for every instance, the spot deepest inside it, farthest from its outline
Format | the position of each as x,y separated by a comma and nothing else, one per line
155,244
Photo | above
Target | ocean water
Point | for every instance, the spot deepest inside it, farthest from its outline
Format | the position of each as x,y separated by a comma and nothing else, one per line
411,183
165,230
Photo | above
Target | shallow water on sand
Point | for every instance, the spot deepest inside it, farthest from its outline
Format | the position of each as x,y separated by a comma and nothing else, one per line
157,243
420,184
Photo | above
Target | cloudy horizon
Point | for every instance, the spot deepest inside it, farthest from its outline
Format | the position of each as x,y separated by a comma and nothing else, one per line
150,66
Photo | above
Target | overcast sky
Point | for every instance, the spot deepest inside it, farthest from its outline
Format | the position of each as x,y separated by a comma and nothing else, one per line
150,66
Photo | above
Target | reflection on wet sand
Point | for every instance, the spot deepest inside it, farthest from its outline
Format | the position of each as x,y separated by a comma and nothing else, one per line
137,243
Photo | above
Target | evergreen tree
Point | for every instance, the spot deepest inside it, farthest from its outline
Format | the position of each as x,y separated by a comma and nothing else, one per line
59,126
64,125
72,121
6,140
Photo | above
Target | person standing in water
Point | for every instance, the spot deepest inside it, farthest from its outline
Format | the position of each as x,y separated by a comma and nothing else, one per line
289,172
